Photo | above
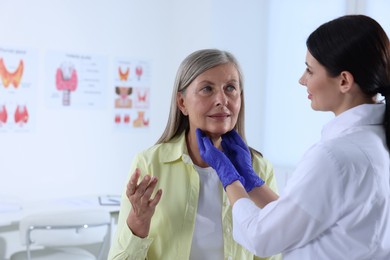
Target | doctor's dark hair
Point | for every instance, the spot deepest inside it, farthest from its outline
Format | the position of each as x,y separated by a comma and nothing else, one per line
359,45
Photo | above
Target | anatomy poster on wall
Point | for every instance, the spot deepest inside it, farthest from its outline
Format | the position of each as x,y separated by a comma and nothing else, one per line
131,90
18,77
75,80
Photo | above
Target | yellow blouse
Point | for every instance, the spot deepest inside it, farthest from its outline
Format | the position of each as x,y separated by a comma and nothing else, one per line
172,226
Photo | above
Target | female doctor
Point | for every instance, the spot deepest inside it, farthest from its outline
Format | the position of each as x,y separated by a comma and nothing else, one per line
337,203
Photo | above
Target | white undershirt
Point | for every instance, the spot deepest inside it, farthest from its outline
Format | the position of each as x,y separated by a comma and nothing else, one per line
207,242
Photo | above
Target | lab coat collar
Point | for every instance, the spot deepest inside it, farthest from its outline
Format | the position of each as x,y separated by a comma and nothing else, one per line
366,114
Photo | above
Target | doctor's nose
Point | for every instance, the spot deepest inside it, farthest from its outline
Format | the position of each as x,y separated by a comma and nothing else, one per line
302,80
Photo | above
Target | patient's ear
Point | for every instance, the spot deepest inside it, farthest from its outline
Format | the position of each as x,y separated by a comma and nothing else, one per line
180,101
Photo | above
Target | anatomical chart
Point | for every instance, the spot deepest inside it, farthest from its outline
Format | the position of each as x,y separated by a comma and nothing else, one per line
131,89
18,77
75,80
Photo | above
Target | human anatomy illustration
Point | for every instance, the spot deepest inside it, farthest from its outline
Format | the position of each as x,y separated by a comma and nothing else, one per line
132,94
11,77
66,81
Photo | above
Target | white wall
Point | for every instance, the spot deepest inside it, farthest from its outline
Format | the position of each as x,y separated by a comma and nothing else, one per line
73,152
269,39
242,29
290,124
76,151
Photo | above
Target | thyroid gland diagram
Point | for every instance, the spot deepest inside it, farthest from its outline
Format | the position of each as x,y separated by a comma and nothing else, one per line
118,119
21,115
66,81
138,72
3,115
141,97
123,75
8,77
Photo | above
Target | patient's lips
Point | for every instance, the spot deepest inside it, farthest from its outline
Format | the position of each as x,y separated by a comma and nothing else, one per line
220,116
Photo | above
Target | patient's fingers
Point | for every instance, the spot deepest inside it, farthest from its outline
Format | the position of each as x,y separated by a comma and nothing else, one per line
140,193
149,190
153,203
132,184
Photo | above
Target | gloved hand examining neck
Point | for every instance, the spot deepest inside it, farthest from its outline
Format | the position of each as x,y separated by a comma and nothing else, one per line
238,153
217,160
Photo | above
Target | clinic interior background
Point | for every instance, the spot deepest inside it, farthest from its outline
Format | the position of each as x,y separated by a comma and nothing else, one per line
75,151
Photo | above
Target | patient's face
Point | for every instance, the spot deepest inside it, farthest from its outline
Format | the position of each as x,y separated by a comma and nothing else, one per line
213,100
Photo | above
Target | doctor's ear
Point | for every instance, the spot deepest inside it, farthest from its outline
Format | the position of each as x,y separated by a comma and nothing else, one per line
346,81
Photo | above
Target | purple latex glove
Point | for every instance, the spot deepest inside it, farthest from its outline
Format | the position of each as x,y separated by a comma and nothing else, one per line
238,153
217,160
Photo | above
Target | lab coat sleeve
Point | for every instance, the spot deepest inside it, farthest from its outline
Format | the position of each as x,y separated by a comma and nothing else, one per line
310,203
266,232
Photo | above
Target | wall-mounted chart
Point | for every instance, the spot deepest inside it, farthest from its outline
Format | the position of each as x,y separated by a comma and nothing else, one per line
131,87
18,74
76,80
